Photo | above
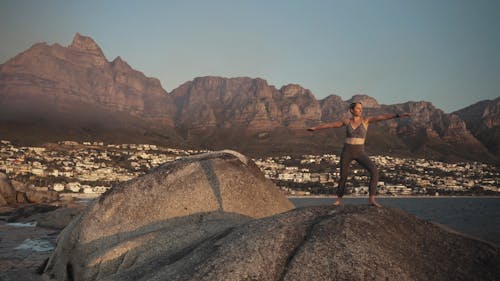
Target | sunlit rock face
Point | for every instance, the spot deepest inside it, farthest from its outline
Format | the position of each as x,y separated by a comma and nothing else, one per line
314,243
217,102
163,215
483,120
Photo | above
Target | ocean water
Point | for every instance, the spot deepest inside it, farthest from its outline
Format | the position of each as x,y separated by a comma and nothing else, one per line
474,216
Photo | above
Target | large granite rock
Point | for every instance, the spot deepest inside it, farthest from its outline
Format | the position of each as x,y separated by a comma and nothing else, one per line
163,216
329,243
314,243
215,217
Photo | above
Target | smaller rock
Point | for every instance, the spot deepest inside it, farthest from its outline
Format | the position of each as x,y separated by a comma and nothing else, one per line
19,186
34,196
27,211
7,192
21,197
58,218
3,202
366,101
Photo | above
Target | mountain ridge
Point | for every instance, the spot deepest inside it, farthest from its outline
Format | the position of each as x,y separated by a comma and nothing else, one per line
76,90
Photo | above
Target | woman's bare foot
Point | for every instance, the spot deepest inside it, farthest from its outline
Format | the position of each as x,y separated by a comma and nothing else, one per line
373,202
338,202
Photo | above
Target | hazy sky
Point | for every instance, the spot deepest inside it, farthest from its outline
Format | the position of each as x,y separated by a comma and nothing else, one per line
443,51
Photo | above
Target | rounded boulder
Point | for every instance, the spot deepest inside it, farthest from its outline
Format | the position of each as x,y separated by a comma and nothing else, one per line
163,214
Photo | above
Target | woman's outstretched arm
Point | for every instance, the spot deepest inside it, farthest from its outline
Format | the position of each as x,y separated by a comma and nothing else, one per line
337,124
386,117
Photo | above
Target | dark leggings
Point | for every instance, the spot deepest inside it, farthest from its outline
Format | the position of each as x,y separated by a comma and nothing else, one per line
356,152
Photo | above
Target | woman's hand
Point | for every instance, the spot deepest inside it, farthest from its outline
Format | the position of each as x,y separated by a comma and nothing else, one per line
402,115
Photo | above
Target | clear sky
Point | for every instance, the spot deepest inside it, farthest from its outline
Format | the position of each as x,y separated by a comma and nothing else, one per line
443,51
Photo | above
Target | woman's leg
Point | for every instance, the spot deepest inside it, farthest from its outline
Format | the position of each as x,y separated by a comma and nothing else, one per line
368,164
345,161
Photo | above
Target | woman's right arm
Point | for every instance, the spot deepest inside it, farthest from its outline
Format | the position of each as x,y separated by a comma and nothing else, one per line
337,124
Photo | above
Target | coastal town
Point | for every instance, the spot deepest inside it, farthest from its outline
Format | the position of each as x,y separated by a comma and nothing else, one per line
319,174
92,168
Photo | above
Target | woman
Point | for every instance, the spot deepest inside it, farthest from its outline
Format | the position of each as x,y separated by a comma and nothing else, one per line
354,148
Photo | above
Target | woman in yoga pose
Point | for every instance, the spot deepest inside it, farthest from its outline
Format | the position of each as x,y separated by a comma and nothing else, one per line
354,147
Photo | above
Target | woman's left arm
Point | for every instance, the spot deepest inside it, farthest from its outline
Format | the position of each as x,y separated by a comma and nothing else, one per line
386,117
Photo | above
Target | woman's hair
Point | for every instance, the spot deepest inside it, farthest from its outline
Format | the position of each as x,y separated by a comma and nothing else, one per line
353,104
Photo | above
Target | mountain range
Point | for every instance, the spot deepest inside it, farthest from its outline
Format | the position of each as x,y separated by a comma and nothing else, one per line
51,93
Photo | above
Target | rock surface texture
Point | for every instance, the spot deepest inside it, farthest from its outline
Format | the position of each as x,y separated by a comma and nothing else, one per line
161,217
483,120
215,217
252,104
14,193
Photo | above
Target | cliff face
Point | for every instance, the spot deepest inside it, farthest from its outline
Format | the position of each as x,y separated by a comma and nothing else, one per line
216,102
483,120
429,132
248,114
333,108
64,79
367,101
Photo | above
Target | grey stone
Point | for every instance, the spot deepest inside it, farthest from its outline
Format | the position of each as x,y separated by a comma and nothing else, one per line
24,213
58,218
215,217
164,215
19,186
35,196
324,243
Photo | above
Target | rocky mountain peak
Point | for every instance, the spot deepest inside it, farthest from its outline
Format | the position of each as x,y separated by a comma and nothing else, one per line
491,114
211,82
78,77
119,64
87,45
483,120
292,90
217,82
365,100
84,43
